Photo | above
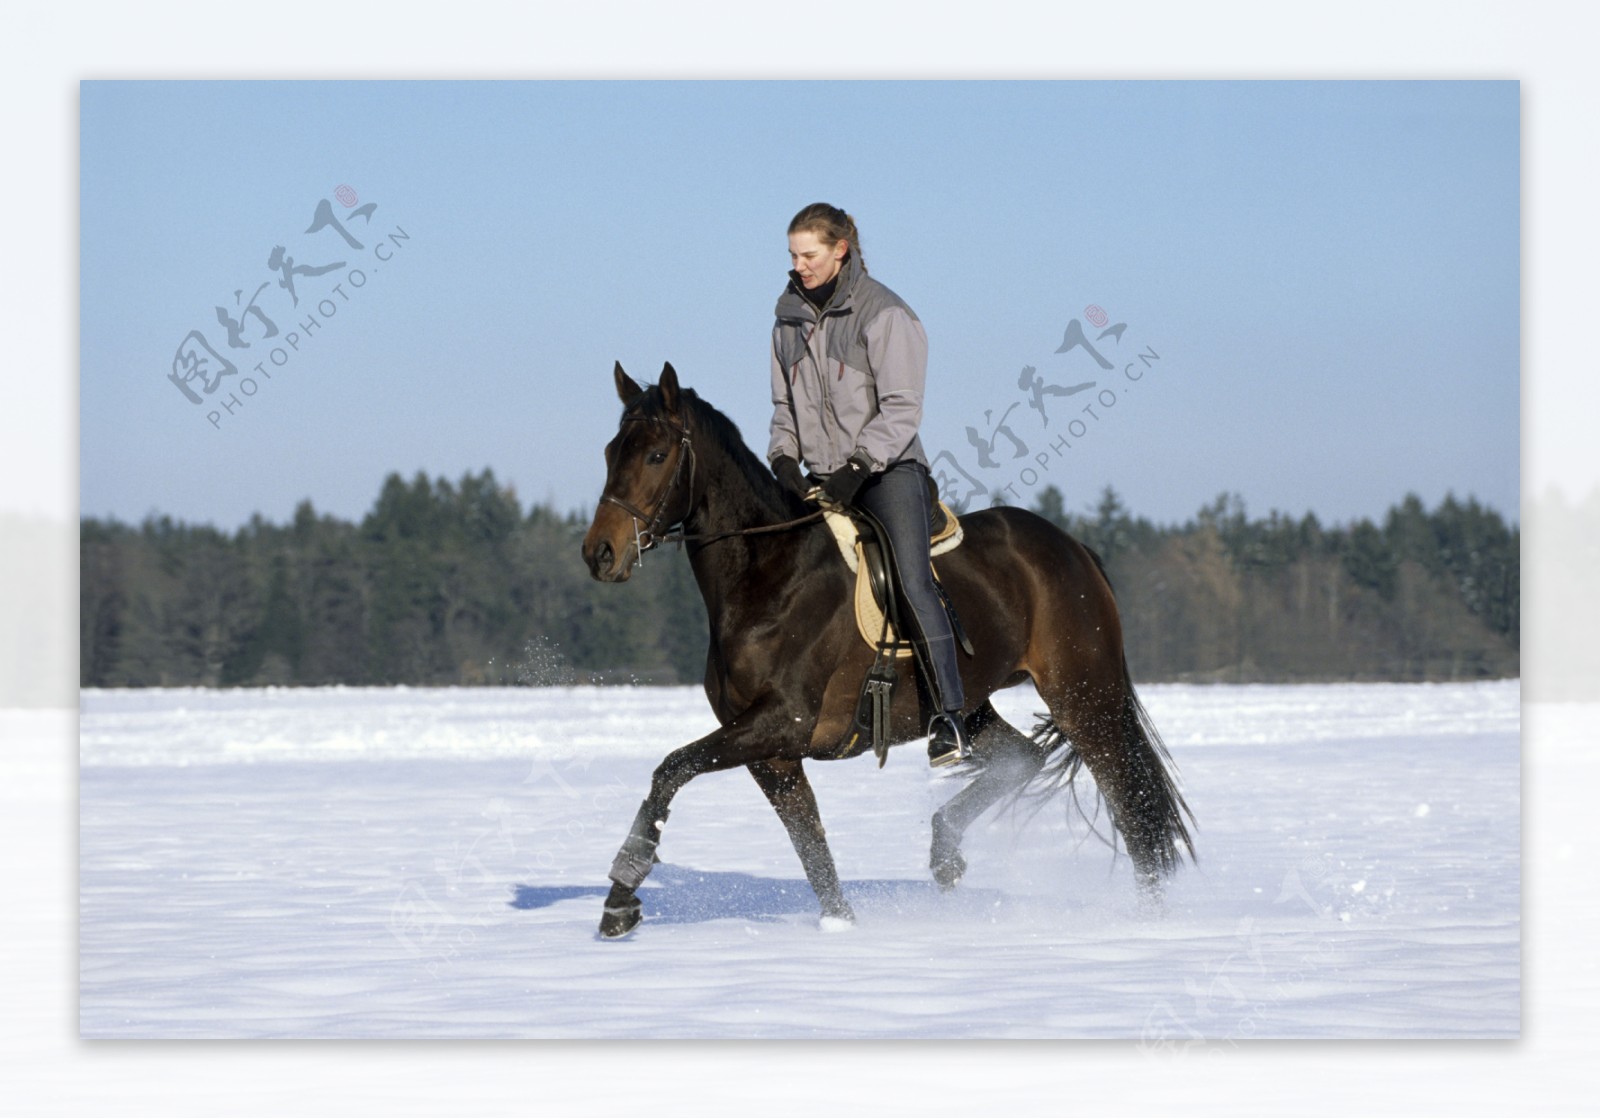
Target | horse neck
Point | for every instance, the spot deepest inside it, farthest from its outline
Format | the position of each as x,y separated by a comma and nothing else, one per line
729,503
728,500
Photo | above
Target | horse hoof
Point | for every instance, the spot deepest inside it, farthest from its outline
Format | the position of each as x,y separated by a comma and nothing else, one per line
838,918
620,920
949,871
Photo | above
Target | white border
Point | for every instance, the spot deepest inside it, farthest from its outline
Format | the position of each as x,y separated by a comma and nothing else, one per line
50,47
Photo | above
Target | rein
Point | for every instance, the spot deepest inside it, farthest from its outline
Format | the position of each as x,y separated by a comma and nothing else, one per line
651,534
781,526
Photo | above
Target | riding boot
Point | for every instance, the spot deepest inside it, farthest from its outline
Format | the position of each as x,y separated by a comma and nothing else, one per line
948,741
898,499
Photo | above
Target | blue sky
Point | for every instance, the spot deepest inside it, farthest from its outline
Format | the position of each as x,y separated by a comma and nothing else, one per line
1327,271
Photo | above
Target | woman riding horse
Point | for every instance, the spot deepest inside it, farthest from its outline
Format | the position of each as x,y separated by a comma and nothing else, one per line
785,660
849,362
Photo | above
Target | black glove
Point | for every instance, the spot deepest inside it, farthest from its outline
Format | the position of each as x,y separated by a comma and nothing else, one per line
787,471
843,484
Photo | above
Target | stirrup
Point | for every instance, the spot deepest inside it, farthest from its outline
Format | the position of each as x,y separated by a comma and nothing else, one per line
947,740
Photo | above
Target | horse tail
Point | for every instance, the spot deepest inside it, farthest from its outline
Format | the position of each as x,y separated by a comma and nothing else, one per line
1138,786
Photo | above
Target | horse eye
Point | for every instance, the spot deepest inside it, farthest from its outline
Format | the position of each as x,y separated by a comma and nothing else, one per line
657,458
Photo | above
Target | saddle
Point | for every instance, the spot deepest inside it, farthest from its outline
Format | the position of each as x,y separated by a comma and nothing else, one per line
877,615
858,544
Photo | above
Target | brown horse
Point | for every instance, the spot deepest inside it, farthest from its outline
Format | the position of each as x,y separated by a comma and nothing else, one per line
786,663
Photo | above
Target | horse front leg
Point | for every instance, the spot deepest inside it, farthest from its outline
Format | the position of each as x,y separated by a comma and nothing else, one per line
787,788
748,738
630,868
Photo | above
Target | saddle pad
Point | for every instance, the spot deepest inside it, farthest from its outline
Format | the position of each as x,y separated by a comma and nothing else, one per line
869,618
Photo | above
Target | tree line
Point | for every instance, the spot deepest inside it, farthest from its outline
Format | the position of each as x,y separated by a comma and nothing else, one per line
452,583
1423,596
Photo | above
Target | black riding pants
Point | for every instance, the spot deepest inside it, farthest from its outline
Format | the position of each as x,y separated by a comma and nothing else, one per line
898,498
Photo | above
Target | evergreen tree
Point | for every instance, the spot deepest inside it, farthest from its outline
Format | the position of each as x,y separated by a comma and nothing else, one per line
1368,560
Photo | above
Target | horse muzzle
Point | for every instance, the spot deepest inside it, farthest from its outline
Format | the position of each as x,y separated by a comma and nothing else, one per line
611,556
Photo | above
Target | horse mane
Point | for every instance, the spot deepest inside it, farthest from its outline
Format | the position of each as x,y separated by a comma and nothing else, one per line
717,432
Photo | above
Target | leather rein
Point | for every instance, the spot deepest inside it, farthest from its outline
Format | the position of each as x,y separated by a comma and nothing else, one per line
651,535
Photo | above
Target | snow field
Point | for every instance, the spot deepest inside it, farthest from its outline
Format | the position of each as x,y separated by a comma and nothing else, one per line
430,863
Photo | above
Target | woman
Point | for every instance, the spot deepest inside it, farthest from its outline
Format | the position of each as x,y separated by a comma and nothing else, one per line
849,362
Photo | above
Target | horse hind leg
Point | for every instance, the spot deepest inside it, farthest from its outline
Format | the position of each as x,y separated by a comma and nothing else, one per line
789,791
1009,760
1107,729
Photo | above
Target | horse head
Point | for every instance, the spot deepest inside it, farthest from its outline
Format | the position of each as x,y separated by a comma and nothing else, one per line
649,477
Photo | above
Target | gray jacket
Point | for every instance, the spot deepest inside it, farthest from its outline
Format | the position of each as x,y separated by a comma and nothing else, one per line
848,379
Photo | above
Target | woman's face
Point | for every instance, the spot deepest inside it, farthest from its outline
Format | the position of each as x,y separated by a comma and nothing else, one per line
815,260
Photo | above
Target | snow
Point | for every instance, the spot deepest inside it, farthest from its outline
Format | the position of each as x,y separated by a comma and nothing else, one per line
376,863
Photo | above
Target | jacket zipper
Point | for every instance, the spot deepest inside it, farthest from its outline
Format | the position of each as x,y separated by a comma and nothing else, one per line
826,410
825,401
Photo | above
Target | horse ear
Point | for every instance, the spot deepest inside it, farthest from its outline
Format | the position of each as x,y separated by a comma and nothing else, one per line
627,388
669,388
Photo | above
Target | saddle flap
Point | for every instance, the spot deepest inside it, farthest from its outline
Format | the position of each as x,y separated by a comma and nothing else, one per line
876,569
872,592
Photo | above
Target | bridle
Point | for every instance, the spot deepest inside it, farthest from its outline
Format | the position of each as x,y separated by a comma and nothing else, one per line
651,535
647,538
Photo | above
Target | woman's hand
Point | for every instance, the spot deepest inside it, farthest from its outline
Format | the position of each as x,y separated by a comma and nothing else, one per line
787,471
843,484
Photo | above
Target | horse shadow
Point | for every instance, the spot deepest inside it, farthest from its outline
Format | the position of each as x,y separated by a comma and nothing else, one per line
677,895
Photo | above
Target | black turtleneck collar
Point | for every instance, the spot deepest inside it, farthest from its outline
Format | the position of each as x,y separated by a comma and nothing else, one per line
818,296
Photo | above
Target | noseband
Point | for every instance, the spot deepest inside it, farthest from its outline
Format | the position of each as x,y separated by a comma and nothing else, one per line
648,537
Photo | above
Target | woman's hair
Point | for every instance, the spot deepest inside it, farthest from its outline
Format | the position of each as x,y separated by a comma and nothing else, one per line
832,225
